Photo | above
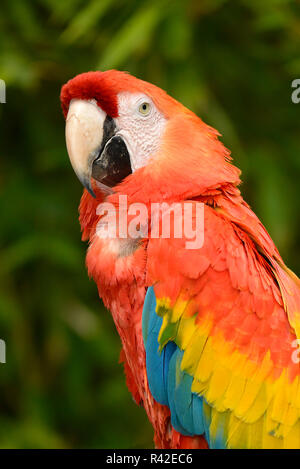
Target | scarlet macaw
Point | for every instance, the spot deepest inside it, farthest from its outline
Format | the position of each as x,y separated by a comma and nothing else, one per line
209,335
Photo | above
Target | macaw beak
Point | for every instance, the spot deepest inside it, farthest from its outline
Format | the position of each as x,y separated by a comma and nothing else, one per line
94,149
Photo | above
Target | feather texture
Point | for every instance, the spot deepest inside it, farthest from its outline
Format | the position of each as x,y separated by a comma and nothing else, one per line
234,352
211,347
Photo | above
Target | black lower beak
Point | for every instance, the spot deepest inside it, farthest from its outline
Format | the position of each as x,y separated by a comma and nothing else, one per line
113,163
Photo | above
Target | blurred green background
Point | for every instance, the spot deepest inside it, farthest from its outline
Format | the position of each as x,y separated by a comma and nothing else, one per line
232,63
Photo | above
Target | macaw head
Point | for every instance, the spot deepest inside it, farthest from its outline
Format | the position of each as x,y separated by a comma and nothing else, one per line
122,131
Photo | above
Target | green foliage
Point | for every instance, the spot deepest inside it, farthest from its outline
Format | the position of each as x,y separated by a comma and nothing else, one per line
232,63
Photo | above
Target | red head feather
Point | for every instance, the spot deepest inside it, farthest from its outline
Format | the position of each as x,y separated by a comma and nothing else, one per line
191,160
105,86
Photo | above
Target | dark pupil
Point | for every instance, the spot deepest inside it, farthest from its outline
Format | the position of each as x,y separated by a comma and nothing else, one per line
144,107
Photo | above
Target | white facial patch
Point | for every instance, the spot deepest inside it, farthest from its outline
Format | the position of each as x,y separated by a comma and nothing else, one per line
141,126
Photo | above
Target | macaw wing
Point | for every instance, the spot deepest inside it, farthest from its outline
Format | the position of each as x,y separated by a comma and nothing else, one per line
220,351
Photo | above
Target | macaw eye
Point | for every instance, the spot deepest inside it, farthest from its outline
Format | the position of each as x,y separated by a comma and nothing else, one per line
144,108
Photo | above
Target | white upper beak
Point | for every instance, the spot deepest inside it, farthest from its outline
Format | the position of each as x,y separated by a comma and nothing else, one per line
84,134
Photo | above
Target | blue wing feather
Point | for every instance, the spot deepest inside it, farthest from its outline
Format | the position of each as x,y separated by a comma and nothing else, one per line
168,384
